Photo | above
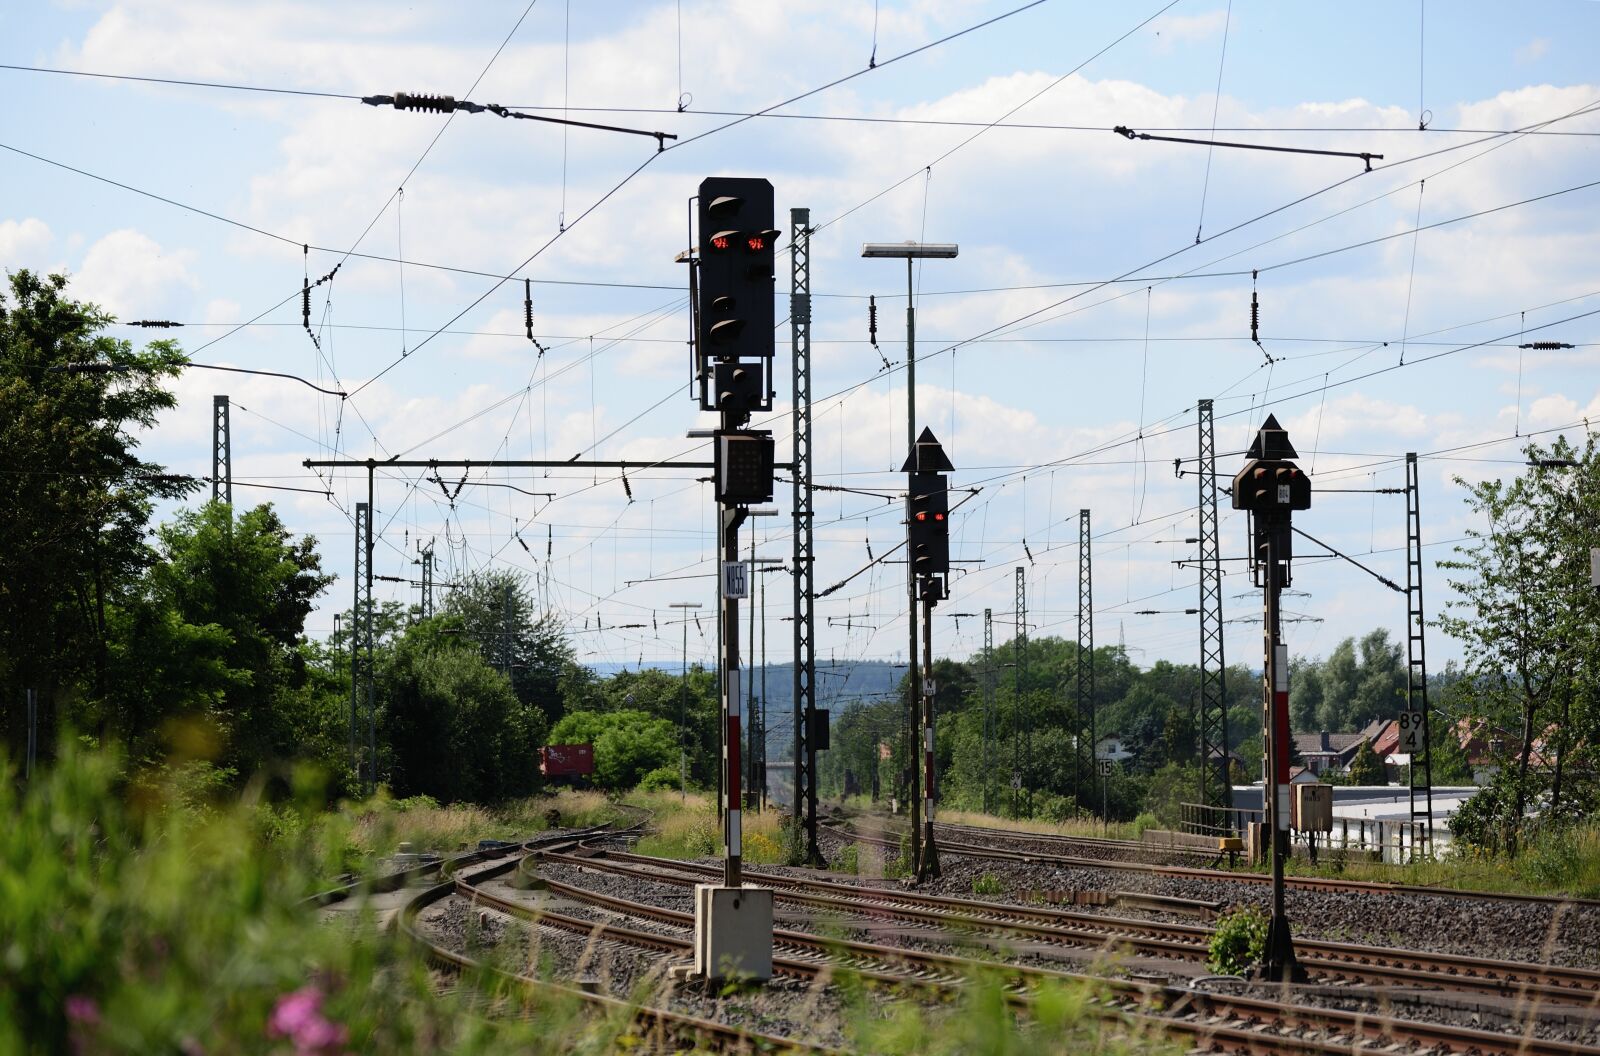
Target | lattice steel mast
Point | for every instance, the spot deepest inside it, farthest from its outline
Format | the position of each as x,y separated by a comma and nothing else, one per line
221,452
361,694
1083,718
1216,790
988,703
805,663
1421,768
1022,732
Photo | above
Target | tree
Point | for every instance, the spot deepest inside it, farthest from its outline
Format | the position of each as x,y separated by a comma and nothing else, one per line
246,575
1366,768
1526,616
689,703
451,726
498,612
77,498
627,744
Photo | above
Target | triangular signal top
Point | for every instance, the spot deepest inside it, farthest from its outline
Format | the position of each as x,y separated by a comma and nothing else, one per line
928,456
1271,443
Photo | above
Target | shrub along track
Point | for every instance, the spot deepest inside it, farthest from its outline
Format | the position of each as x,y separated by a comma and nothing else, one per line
1327,961
1214,1021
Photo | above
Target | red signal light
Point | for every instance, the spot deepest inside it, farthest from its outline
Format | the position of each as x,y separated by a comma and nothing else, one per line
938,516
720,242
922,516
755,243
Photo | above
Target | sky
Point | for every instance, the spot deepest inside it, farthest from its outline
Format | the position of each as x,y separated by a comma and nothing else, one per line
1392,301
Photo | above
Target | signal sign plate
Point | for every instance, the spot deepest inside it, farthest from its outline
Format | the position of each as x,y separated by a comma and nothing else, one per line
1410,723
1105,768
735,579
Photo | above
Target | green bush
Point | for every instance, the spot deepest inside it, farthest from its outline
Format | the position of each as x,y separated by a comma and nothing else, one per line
662,779
1239,941
132,923
1145,822
849,860
988,884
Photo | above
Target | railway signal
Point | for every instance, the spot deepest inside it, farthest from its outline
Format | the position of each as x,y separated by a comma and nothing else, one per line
928,561
1271,488
732,280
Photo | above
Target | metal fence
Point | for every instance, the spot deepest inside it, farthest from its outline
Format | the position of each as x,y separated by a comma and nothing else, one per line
1396,841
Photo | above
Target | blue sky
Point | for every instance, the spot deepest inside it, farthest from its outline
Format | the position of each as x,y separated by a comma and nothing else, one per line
1085,404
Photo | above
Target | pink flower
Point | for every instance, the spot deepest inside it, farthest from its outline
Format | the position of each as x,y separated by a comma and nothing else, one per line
298,1017
83,1010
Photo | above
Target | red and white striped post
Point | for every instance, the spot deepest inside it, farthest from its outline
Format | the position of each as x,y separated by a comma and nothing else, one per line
732,709
1278,960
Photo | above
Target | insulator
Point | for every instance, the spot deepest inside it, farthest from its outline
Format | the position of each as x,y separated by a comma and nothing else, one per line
1546,346
1255,311
437,104
872,320
626,487
154,322
305,306
527,306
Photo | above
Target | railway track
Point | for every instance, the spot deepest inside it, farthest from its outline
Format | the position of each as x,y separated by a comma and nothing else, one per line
1305,883
1134,848
1212,1021
1328,961
664,1029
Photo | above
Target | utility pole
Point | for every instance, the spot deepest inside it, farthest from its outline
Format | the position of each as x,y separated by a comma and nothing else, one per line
1021,718
1271,487
221,452
361,646
683,703
1216,784
988,702
805,660
1414,722
911,251
756,736
1084,727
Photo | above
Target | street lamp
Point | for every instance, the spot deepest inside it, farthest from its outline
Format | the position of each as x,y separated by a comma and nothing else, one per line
683,704
911,251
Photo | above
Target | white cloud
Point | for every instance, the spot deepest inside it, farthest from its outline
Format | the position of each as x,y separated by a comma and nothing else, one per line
128,273
1173,30
22,242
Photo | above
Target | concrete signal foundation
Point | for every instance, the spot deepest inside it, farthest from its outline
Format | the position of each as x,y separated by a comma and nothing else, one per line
733,932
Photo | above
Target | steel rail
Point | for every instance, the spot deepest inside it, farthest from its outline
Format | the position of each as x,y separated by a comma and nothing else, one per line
1308,883
692,1029
1218,1021
1348,961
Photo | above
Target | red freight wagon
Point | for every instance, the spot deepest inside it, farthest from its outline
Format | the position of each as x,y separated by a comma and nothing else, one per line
566,760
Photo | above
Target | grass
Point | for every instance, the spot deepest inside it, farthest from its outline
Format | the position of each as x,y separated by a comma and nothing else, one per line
1075,827
379,825
135,922
687,829
1565,862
